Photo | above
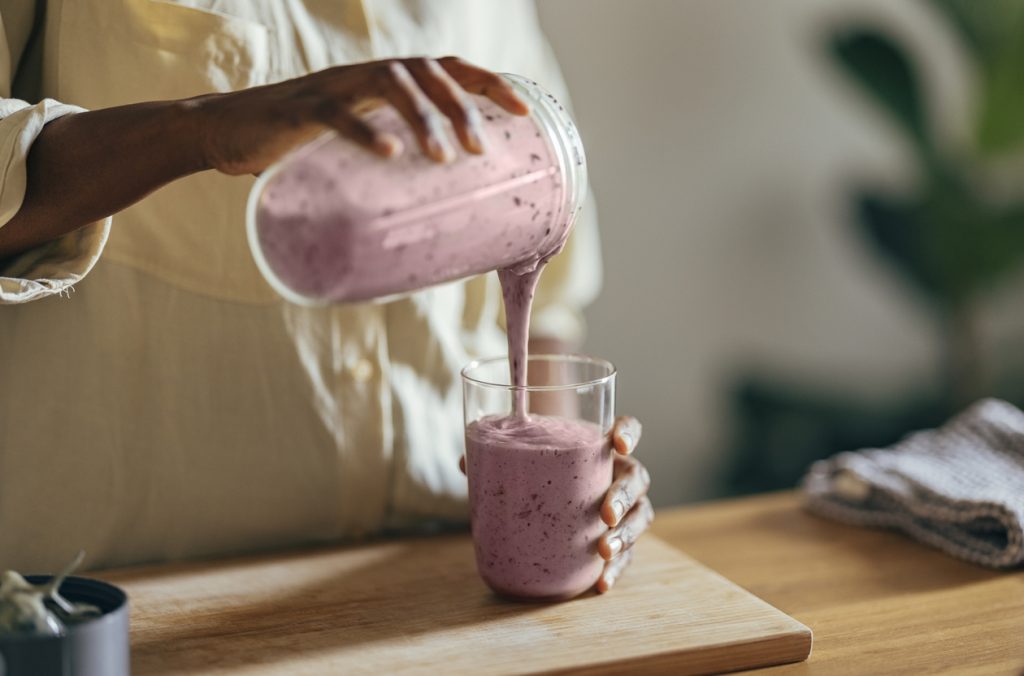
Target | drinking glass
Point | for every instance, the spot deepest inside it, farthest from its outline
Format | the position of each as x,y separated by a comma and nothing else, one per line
538,474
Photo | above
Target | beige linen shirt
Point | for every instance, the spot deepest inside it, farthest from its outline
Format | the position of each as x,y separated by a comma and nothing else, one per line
170,405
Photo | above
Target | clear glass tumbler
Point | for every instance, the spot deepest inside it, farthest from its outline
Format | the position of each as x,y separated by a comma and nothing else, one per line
536,481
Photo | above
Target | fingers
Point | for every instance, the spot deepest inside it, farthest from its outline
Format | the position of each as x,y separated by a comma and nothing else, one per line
450,99
352,127
479,81
626,434
630,484
612,571
627,496
621,538
423,91
462,464
419,112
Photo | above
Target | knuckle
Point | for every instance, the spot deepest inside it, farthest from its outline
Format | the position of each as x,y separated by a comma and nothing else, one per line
394,69
416,63
648,510
434,67
628,533
626,493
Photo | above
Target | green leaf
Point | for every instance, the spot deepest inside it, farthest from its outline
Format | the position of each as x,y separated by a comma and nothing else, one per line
897,231
1001,120
946,241
984,25
883,71
1000,249
993,33
975,242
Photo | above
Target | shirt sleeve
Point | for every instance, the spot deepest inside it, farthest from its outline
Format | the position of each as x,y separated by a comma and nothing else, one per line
54,267
572,279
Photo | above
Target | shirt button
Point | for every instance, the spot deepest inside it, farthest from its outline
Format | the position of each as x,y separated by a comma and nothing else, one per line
361,370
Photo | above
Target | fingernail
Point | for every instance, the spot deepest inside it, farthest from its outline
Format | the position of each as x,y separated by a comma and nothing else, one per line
440,150
387,145
627,440
615,546
618,509
476,139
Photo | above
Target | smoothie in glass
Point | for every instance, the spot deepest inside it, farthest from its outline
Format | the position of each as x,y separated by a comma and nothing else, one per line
536,487
536,482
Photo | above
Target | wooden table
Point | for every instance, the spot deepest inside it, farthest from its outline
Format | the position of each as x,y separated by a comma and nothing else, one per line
877,602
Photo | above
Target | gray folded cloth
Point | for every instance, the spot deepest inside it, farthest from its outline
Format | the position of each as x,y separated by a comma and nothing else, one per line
959,488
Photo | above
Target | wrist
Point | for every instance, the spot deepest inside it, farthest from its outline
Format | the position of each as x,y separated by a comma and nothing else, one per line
190,121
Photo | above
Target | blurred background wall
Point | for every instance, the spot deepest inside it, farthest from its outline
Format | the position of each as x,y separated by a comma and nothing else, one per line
722,145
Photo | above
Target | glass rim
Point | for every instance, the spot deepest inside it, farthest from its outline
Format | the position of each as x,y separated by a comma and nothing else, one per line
570,358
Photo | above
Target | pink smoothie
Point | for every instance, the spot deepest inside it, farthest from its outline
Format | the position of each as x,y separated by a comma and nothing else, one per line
535,491
517,291
334,223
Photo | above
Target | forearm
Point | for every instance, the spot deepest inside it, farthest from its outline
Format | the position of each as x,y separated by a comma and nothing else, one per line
86,166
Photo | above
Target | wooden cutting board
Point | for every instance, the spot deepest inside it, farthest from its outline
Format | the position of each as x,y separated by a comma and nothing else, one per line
418,607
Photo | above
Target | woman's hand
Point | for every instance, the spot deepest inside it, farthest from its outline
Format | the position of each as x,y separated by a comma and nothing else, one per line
626,508
244,132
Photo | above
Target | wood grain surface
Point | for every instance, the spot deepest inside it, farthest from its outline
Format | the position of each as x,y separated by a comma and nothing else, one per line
878,602
417,606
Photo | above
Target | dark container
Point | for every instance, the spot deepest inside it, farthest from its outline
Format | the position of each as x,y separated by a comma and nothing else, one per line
96,647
